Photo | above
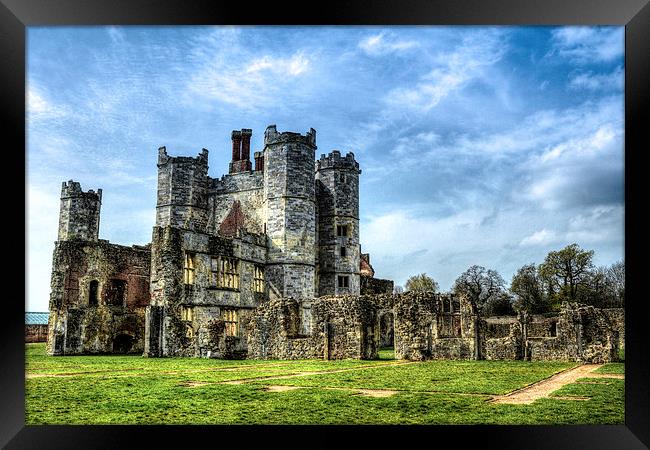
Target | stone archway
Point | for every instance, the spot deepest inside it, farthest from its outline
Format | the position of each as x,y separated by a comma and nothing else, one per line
387,334
123,343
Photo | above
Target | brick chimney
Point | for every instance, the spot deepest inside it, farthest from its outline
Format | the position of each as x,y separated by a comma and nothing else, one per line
259,161
246,144
241,151
236,143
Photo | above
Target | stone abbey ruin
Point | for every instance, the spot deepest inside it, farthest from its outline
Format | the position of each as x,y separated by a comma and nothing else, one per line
265,262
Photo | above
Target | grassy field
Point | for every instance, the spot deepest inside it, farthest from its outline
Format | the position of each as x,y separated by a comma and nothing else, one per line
136,390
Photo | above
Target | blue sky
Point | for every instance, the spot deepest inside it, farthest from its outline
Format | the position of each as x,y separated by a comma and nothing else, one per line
478,145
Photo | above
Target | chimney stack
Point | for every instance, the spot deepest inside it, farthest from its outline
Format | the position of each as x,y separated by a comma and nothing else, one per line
236,143
259,161
241,149
246,144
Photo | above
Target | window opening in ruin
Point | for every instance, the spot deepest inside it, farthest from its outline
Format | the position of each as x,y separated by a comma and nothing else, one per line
553,329
231,322
455,304
93,291
258,278
225,272
116,292
188,269
341,230
305,320
343,251
449,326
187,313
343,281
446,305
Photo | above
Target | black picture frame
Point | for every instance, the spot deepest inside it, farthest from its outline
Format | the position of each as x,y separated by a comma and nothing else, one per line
16,15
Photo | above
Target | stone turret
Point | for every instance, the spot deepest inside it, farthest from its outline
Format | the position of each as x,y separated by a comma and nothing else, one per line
79,212
182,191
337,193
290,209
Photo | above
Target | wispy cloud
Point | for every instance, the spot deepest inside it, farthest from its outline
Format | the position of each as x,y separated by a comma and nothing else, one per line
588,44
385,42
451,71
598,81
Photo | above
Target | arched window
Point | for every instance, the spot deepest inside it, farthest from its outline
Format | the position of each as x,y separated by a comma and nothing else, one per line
92,293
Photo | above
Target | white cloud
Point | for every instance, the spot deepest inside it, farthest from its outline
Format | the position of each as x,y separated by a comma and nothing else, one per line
385,42
588,44
38,106
597,82
294,65
541,237
450,72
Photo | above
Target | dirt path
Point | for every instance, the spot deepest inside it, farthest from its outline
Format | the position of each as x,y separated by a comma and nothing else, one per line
543,388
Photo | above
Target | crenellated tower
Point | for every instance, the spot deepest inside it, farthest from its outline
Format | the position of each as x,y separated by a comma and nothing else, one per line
337,194
79,212
182,191
290,208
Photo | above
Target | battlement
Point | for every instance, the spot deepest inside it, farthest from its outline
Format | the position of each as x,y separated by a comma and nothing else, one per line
271,136
333,160
72,189
164,158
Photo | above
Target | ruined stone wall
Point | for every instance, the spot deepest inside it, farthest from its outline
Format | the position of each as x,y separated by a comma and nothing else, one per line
245,187
182,322
501,338
99,292
36,333
582,333
616,317
339,328
371,285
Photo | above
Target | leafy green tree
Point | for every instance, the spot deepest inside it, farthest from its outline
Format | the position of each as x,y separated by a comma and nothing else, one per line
421,283
567,273
500,305
480,286
528,288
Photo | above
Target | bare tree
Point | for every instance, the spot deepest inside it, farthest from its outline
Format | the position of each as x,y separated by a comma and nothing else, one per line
480,285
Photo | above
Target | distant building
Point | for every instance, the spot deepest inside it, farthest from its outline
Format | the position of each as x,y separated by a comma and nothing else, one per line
36,326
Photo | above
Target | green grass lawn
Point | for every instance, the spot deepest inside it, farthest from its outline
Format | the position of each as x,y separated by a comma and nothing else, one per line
137,390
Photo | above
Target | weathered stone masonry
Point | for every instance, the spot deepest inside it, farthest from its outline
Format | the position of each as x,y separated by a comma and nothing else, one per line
265,262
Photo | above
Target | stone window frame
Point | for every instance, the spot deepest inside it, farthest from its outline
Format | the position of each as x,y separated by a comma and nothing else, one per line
343,253
342,178
189,268
187,313
90,291
450,318
341,230
230,319
258,278
343,281
226,275
112,284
